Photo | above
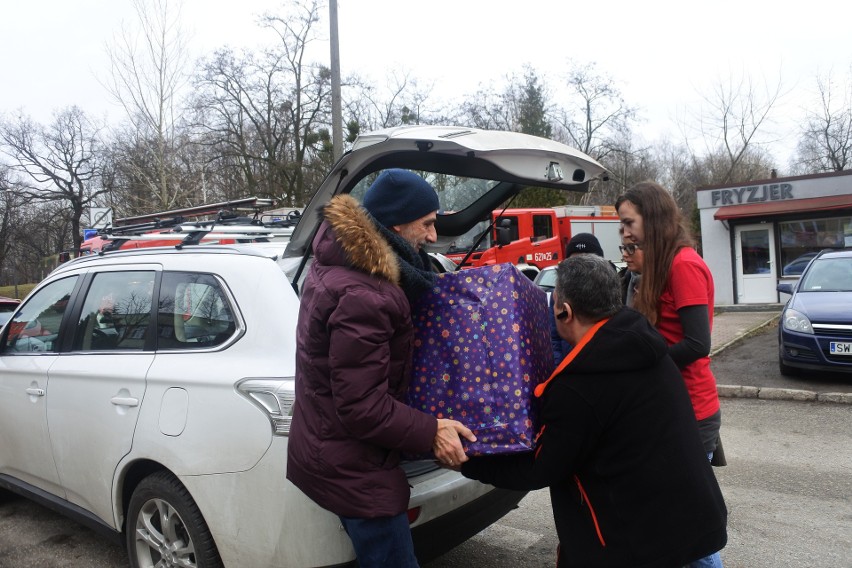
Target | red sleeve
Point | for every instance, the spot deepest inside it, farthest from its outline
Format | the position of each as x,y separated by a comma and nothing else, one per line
690,281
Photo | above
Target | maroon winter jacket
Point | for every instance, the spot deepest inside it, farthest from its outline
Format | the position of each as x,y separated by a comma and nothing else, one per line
353,364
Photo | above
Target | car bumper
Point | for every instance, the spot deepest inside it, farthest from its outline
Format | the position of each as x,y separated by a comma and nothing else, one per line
441,535
258,518
805,351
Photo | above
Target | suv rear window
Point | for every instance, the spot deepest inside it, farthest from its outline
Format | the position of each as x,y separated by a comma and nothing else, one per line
193,312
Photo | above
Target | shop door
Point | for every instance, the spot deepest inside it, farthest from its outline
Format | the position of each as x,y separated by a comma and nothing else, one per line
755,258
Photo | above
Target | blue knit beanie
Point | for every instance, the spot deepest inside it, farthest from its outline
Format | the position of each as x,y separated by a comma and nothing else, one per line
399,196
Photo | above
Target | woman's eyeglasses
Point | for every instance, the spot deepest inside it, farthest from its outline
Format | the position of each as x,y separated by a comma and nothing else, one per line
629,249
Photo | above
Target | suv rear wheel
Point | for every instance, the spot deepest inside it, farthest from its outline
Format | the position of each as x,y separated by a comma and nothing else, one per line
165,527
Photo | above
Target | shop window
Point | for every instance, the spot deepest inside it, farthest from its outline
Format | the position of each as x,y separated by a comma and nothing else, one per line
801,240
755,251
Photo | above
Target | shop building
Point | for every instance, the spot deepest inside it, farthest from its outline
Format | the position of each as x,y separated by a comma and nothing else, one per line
757,234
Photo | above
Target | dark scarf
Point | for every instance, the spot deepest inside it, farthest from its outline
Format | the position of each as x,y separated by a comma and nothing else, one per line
415,268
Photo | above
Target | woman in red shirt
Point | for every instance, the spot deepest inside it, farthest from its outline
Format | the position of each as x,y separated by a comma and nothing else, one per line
676,294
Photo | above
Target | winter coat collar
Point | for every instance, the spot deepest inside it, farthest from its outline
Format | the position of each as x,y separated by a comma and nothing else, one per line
357,235
623,343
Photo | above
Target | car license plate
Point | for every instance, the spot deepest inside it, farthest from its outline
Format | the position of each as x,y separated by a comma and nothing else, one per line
838,348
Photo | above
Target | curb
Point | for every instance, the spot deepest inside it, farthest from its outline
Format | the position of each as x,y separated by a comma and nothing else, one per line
767,393
772,393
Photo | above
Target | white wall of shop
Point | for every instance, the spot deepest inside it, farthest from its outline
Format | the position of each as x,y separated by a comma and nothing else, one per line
717,250
717,236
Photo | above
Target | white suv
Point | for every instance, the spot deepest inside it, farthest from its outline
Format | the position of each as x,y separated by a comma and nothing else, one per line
148,392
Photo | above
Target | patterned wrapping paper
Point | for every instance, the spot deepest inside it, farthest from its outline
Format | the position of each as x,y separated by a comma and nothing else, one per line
482,344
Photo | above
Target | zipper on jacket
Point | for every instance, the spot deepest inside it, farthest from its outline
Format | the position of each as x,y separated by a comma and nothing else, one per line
535,441
585,498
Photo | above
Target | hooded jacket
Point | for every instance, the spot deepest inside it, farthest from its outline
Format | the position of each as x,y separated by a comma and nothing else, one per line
353,364
630,483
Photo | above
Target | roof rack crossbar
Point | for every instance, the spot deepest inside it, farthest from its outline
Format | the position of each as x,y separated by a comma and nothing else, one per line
255,204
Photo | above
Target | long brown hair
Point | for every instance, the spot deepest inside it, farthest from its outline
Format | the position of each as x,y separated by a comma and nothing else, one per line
665,232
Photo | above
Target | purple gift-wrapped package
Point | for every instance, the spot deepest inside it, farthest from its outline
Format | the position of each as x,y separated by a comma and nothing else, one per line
482,344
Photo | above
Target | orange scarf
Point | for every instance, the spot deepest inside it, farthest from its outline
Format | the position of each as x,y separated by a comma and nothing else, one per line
539,390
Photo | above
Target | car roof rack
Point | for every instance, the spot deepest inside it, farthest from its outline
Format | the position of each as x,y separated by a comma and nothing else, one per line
190,234
224,211
254,204
230,222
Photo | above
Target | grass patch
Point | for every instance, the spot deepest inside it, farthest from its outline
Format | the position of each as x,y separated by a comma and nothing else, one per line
23,290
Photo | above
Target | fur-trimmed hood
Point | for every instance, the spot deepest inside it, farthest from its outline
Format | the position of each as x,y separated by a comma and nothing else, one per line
359,239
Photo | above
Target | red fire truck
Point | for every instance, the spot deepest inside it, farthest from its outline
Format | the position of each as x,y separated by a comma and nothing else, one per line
536,238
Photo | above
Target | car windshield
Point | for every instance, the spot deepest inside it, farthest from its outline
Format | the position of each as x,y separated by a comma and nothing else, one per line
547,279
466,241
828,275
454,193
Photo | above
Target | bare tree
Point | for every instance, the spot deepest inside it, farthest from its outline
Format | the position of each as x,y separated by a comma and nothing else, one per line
626,165
731,128
825,143
402,100
10,207
594,118
495,110
308,105
266,118
148,74
61,163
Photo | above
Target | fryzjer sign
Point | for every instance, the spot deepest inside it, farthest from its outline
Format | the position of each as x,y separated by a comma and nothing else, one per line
752,194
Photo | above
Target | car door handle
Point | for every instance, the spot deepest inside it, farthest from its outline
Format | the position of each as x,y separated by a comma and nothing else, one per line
33,391
124,401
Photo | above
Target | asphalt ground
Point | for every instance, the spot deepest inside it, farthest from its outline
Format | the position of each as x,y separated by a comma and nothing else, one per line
744,358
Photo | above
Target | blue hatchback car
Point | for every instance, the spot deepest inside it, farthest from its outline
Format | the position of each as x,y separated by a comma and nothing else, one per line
815,331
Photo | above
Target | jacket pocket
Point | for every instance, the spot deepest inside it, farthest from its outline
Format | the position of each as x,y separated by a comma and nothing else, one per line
584,499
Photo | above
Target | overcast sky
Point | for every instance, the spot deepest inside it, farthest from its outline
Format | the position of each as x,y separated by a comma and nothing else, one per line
662,54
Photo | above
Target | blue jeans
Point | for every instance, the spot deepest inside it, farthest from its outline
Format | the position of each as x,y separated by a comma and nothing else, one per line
712,561
383,542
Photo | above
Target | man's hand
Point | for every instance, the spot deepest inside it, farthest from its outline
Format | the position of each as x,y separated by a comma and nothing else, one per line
447,445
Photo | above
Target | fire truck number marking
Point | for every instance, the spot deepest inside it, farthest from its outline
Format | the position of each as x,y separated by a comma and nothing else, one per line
540,256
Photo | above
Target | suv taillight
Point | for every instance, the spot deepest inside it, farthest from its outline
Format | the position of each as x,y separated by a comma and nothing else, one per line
275,397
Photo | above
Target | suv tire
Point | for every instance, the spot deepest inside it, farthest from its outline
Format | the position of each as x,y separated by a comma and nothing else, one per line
186,541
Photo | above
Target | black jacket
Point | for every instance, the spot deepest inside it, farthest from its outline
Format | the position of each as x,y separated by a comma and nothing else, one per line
630,483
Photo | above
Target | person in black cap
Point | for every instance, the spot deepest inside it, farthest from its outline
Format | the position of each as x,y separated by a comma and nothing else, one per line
581,243
353,364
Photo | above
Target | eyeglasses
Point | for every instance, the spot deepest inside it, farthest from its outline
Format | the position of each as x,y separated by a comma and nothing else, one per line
629,249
